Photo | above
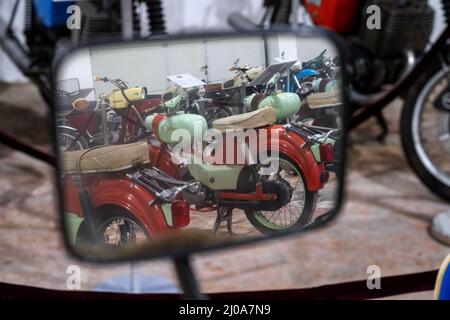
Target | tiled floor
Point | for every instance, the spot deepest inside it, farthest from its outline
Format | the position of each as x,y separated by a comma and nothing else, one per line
384,222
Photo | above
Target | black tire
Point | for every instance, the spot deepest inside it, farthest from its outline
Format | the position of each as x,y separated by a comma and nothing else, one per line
101,220
418,163
67,135
214,113
257,220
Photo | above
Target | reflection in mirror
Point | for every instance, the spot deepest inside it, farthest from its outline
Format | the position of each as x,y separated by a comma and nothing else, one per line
157,154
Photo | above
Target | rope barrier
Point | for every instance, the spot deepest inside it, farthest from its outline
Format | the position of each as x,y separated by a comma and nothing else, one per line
390,286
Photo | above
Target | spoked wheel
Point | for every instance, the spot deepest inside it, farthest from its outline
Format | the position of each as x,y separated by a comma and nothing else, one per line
214,113
67,141
426,133
117,228
296,213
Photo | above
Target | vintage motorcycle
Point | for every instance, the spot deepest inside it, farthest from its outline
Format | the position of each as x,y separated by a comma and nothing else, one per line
116,118
223,98
290,191
397,59
105,203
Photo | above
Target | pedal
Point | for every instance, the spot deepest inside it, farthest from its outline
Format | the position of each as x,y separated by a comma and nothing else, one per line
224,214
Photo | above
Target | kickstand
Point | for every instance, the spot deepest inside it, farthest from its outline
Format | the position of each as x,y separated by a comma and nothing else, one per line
224,214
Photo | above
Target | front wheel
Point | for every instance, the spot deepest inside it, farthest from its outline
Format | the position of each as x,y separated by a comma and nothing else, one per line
294,215
425,132
67,140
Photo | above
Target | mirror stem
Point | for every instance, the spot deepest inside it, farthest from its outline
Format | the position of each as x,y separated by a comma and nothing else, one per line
187,279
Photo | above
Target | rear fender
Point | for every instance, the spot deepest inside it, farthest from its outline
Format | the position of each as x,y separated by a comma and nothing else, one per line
122,193
289,144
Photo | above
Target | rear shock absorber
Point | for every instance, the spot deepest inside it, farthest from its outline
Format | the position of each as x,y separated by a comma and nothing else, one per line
446,8
136,17
156,16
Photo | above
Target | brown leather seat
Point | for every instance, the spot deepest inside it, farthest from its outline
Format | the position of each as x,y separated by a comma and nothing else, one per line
324,99
105,158
248,120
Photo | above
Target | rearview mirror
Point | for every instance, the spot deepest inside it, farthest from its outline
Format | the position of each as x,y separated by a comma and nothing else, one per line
260,159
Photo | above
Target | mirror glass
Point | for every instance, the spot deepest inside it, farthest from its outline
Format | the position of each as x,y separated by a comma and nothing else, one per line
184,144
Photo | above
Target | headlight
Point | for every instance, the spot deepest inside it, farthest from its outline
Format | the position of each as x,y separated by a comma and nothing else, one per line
144,93
80,104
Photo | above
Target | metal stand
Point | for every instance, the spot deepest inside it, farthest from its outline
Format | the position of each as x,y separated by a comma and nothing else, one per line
187,279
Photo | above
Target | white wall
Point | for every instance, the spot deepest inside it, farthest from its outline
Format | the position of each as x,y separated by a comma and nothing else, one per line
8,71
148,64
182,16
78,65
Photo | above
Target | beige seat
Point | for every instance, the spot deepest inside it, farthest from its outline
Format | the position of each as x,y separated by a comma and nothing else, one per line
248,120
105,158
324,99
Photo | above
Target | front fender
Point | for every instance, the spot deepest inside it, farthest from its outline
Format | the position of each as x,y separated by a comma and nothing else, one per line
68,129
289,144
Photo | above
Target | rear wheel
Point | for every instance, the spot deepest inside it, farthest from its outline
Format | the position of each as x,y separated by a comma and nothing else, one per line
116,227
297,213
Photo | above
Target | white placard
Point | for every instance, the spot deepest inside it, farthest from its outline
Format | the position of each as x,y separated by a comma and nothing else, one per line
185,80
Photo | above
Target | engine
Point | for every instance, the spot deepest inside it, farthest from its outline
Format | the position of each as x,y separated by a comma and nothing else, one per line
406,25
113,123
378,54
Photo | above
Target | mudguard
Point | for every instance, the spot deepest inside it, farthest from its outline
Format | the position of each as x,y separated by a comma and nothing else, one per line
306,73
122,193
289,145
300,75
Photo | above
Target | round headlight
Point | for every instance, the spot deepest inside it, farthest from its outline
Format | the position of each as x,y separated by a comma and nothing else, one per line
144,93
80,104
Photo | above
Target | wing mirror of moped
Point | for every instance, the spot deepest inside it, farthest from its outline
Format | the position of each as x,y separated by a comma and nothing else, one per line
140,180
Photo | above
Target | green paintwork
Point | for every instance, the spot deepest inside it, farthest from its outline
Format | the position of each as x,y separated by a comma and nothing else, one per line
286,104
173,103
167,211
333,85
249,100
73,223
315,148
273,81
194,124
216,177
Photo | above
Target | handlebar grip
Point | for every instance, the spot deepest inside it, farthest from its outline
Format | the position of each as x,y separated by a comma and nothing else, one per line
97,78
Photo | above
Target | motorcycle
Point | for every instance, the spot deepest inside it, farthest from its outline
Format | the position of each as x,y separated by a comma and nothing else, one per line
394,60
116,118
243,186
224,98
218,105
113,197
320,99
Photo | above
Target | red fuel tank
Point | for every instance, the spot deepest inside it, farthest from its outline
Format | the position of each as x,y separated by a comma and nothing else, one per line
338,15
